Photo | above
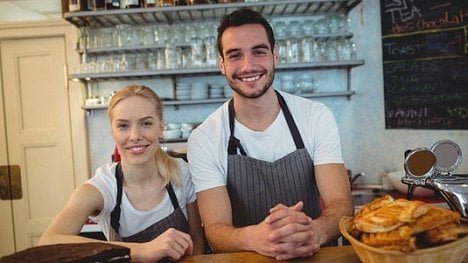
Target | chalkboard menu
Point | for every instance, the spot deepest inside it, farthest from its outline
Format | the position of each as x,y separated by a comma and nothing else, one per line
425,63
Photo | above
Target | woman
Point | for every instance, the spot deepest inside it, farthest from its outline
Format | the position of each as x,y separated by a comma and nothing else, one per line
143,201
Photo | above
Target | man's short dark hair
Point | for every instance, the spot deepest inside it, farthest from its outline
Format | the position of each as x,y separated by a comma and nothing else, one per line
244,16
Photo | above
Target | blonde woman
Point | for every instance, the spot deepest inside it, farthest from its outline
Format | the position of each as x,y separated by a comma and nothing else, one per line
146,201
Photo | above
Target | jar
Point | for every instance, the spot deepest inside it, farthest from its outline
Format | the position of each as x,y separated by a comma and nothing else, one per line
166,2
288,84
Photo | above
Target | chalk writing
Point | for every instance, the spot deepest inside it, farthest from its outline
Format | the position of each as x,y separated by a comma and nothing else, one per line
425,63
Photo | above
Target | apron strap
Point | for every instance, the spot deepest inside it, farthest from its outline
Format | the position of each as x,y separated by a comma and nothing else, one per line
115,214
234,143
172,195
291,124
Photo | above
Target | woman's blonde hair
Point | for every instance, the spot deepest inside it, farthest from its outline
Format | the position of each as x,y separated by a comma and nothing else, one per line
167,166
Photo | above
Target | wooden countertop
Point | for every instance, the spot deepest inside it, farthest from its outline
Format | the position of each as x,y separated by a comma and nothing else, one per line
339,254
342,254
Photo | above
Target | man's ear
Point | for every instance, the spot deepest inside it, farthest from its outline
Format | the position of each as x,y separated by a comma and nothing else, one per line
275,56
221,64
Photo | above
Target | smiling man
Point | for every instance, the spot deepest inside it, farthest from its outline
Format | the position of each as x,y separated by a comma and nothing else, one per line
266,165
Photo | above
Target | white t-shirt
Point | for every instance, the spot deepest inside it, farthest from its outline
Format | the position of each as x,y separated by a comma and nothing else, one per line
132,220
207,144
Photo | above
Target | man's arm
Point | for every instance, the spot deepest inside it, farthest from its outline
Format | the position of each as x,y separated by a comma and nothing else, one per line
215,211
300,238
334,189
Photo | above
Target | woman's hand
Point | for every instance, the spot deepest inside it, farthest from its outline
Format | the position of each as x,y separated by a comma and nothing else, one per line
171,244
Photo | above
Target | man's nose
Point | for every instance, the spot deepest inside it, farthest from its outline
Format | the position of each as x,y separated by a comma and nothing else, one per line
247,62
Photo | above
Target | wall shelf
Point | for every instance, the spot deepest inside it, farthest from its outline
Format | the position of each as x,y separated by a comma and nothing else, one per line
176,14
138,74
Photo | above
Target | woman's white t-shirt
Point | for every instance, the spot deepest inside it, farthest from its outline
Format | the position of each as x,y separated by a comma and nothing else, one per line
132,220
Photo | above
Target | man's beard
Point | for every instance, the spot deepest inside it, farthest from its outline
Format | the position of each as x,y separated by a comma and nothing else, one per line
238,90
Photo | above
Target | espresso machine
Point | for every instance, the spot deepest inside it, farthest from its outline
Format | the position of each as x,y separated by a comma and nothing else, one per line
434,169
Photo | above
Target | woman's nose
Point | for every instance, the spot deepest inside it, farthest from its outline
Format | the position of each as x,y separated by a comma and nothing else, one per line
135,134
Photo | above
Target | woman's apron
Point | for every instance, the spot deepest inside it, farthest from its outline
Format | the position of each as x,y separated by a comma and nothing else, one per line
255,186
175,220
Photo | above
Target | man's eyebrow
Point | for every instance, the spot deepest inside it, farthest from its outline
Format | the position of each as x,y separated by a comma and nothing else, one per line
231,50
259,46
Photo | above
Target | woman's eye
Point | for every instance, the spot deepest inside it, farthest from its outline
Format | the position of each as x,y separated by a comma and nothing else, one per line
122,126
147,124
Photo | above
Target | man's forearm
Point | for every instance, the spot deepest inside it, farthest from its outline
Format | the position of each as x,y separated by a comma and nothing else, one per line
330,217
226,238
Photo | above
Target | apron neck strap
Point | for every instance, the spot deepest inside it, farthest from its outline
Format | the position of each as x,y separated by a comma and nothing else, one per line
290,120
115,214
235,144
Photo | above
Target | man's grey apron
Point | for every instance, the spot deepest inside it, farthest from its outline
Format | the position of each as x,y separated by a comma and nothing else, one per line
255,186
175,220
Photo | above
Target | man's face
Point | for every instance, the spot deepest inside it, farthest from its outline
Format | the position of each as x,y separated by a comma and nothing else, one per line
249,61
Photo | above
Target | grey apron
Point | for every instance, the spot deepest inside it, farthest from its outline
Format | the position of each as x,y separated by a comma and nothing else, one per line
255,186
175,220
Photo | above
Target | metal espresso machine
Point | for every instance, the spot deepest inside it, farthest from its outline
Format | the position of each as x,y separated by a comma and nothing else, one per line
433,168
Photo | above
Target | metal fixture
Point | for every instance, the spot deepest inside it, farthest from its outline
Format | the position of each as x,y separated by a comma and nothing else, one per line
433,168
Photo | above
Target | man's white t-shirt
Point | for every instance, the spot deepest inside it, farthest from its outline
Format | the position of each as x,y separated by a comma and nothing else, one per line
207,144
133,220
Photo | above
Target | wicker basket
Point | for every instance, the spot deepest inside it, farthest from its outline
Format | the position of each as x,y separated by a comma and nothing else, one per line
453,252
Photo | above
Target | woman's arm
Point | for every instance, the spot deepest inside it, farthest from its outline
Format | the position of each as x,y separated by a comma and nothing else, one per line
66,226
195,228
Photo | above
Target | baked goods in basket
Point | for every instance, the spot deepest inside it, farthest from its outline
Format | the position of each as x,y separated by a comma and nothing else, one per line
405,225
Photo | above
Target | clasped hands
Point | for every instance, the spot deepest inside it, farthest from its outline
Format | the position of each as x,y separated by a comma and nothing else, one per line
287,233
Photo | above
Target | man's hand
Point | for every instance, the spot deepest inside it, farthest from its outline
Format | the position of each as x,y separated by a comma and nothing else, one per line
293,232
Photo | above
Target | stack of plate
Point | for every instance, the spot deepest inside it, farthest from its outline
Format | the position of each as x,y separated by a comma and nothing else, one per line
227,91
199,90
216,91
183,91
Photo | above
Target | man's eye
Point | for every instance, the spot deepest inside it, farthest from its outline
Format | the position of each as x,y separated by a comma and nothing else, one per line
234,56
259,52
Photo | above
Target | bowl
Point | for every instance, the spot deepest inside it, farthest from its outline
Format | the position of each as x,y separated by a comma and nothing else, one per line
395,179
172,134
452,252
172,126
186,126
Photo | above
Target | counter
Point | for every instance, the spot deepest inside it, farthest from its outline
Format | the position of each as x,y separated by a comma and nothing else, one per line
344,254
340,254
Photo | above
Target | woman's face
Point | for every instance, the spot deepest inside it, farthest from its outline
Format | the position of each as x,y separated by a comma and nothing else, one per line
136,129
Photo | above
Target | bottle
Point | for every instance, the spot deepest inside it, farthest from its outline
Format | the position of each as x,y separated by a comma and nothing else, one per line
112,4
132,4
116,4
98,5
149,3
180,2
74,5
166,3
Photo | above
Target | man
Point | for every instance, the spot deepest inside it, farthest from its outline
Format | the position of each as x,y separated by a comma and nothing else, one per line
266,165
